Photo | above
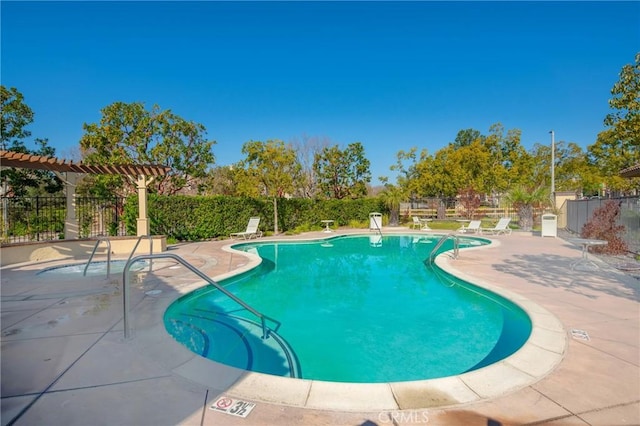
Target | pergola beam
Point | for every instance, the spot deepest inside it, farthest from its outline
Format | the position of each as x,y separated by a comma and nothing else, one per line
143,175
39,162
631,172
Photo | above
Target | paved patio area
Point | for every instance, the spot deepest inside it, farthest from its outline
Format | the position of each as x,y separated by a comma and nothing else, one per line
64,360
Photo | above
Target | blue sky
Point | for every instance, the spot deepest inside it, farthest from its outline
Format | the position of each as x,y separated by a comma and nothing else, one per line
391,75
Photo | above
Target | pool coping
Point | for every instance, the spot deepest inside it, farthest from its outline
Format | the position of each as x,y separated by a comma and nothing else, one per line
537,358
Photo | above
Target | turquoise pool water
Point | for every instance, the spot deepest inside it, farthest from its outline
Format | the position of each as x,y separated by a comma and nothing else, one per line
352,309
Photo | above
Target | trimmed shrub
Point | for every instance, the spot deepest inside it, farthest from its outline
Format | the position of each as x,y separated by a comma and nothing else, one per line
192,218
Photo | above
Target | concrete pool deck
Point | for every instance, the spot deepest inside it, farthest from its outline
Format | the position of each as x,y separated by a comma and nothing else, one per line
64,359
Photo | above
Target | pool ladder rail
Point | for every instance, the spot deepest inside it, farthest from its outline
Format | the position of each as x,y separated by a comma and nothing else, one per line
93,253
456,247
125,292
108,243
295,370
135,247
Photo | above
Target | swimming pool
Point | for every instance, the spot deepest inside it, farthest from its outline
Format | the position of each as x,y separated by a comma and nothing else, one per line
352,309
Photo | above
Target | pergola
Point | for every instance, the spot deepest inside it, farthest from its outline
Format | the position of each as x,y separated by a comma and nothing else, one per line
69,172
631,172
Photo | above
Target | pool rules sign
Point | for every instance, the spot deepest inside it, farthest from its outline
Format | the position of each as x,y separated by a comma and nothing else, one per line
235,407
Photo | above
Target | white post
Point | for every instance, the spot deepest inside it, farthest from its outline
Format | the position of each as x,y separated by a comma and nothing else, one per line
71,230
5,217
143,219
553,165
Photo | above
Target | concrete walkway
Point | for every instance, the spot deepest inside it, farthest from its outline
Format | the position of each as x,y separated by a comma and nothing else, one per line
65,361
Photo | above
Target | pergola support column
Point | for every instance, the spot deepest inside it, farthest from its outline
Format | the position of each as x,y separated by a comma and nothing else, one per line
143,219
70,221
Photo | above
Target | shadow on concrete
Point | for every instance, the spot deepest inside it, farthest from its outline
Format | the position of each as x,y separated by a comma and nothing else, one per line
554,271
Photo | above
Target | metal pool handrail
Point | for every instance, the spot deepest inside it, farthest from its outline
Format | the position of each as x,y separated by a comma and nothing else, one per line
100,239
150,249
125,291
456,244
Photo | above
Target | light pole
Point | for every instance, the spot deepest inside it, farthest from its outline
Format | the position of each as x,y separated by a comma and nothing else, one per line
553,164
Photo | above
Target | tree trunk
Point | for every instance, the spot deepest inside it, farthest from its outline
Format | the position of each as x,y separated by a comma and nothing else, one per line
442,211
394,215
525,220
275,215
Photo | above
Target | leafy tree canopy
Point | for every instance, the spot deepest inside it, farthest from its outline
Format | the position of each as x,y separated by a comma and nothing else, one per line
488,164
466,137
624,120
618,146
270,169
16,116
307,149
342,173
129,133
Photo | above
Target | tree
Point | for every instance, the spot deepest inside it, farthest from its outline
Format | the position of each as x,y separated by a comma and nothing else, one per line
525,199
407,173
466,137
270,169
307,150
618,146
573,170
608,156
128,133
342,173
392,196
16,116
220,180
624,120
514,160
489,164
470,200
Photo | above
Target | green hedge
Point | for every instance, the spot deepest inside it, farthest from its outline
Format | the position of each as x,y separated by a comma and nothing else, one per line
189,218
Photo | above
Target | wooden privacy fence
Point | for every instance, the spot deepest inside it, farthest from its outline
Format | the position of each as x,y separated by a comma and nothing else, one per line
456,213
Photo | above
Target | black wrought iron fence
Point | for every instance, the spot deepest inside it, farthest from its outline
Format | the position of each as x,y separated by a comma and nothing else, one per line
42,218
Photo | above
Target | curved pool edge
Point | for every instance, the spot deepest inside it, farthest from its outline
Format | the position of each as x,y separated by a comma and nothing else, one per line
543,351
538,357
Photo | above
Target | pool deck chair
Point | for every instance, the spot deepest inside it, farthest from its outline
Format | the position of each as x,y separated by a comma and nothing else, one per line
422,224
472,228
502,227
416,223
251,231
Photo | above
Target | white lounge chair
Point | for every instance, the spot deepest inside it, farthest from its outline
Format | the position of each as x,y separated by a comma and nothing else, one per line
416,223
252,230
472,228
422,224
502,227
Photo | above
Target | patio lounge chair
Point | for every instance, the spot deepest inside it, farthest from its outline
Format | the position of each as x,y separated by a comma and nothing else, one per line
416,223
472,228
422,224
502,227
251,231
